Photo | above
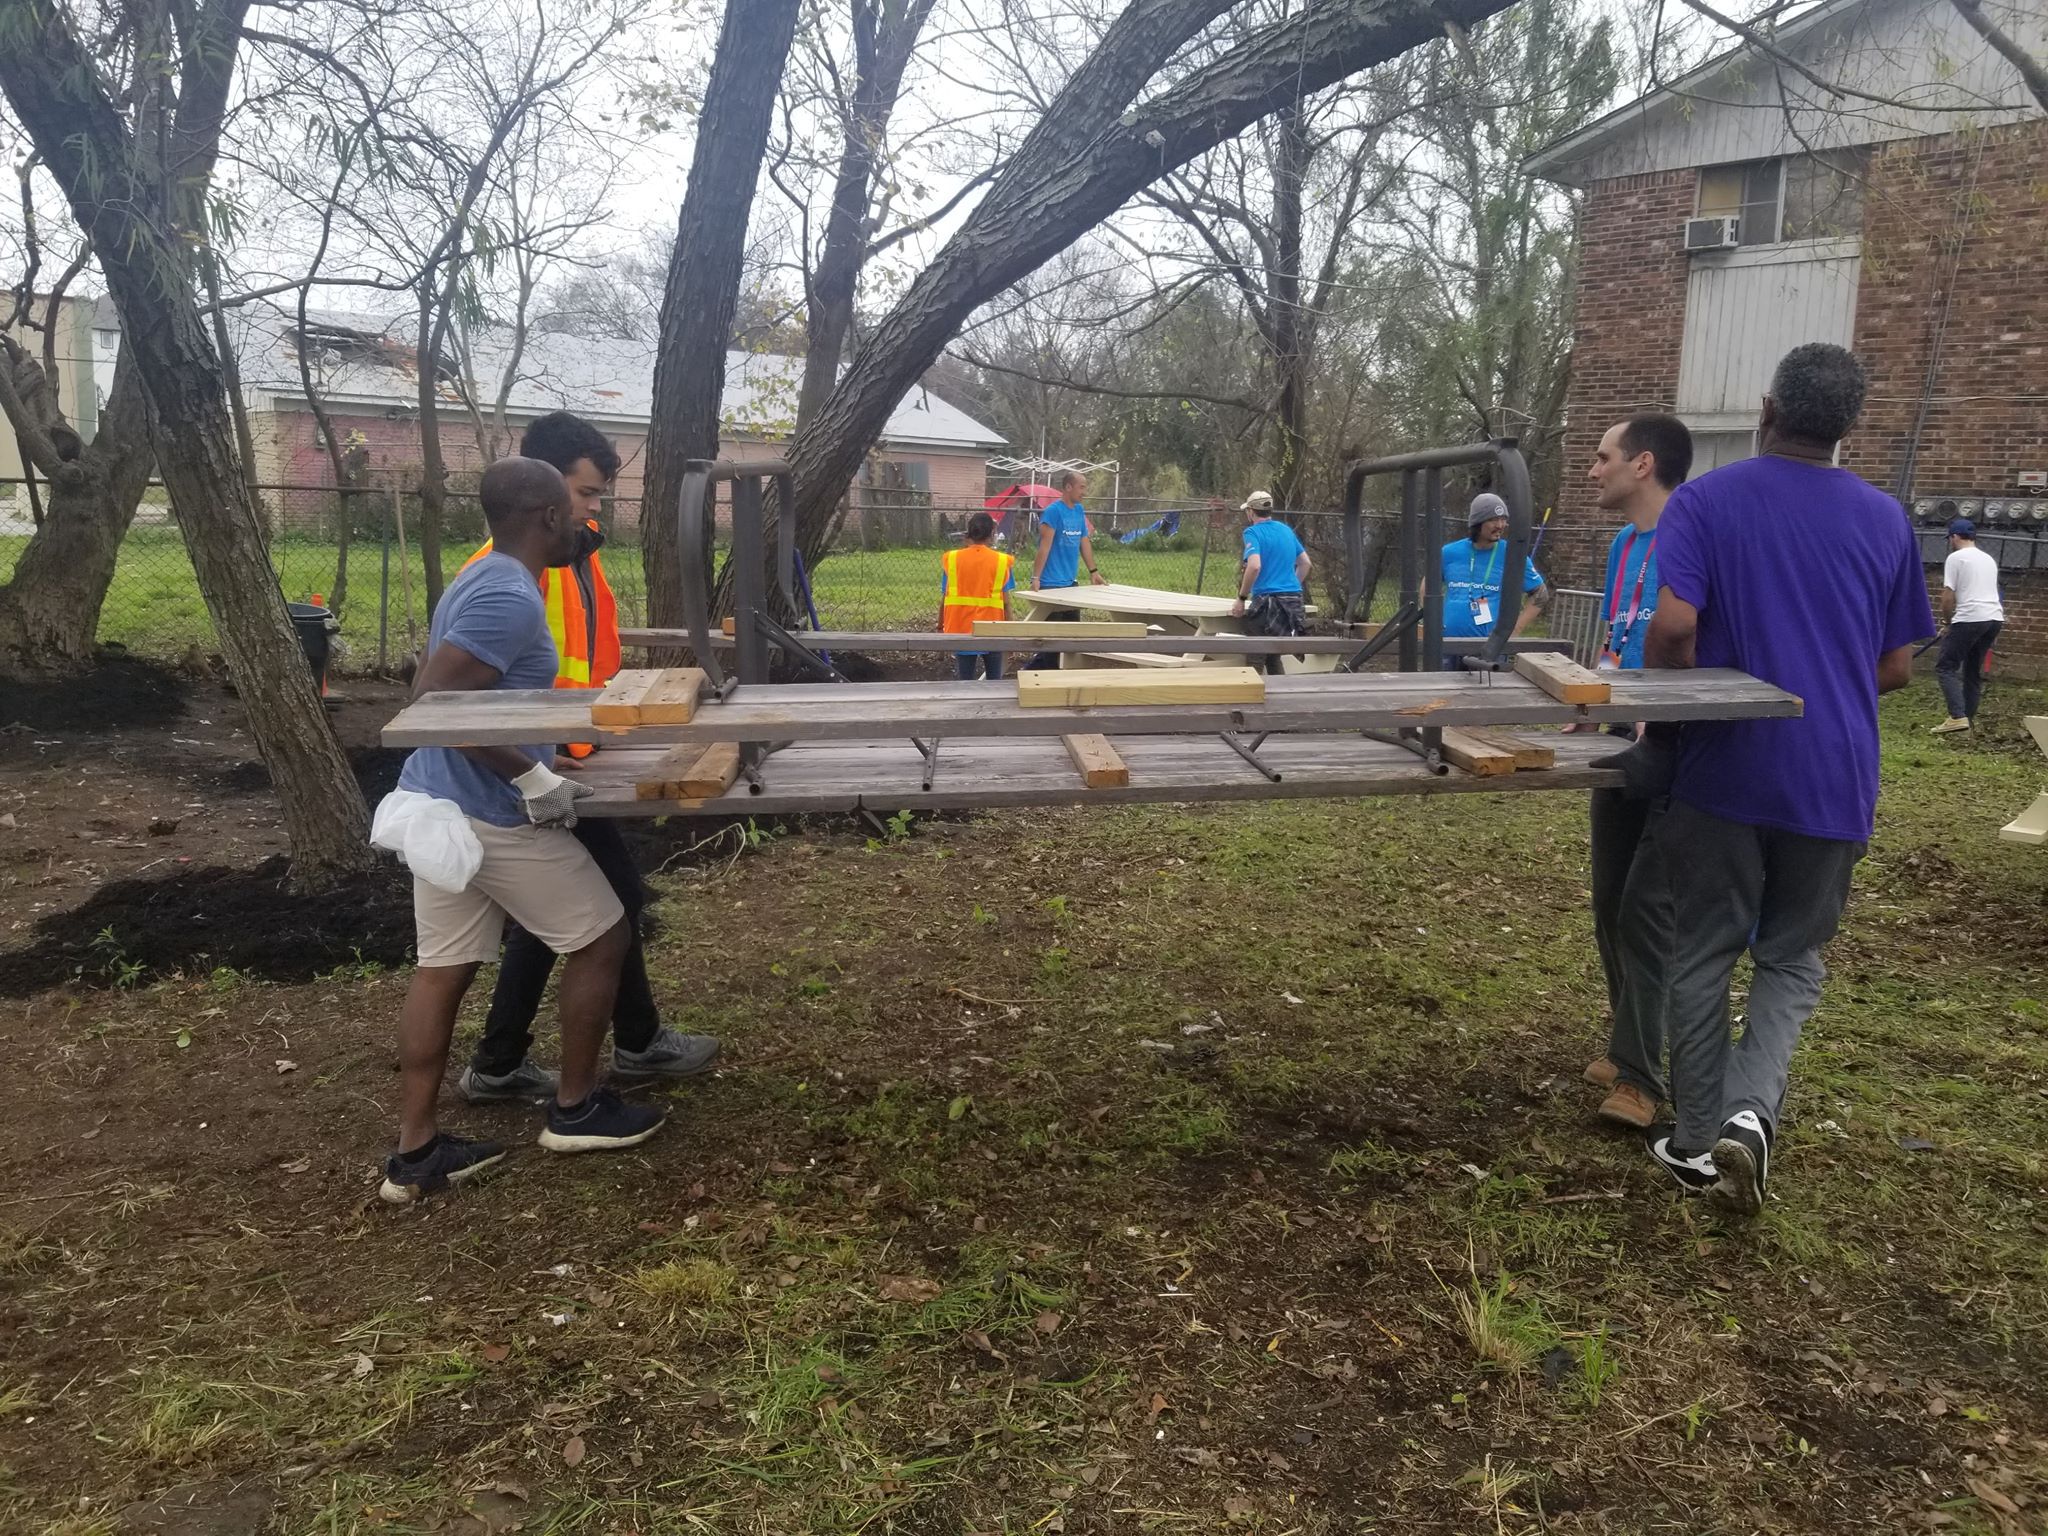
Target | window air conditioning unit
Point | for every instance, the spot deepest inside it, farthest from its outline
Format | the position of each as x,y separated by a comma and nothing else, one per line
1712,234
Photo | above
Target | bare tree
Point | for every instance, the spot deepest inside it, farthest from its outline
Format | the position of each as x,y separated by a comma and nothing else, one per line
126,109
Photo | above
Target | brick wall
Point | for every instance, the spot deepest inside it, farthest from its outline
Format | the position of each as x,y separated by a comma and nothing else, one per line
288,453
1975,204
1629,321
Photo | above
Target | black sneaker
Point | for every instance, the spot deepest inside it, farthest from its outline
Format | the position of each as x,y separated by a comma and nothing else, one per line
441,1162
604,1122
524,1084
1743,1158
668,1054
1694,1172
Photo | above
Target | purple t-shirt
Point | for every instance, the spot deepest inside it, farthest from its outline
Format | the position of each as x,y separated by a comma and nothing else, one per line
1803,575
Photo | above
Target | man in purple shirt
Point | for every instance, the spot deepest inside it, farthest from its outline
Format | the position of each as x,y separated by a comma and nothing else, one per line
1799,573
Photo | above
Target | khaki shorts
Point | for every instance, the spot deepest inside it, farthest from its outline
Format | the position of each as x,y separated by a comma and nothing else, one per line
541,876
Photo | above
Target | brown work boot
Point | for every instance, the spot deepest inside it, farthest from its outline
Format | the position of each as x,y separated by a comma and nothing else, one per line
1603,1073
1629,1105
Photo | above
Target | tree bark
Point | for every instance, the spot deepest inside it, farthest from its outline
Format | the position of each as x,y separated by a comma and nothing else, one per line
702,293
144,214
1076,167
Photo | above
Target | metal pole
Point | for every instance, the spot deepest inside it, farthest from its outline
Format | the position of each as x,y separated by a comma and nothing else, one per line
412,639
1411,566
384,600
1202,565
1433,612
749,599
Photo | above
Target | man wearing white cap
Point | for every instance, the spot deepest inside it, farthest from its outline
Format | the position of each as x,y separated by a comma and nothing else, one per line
1472,575
1275,565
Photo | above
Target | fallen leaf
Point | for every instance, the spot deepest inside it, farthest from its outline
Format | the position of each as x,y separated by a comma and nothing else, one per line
1937,1407
981,1342
1159,1405
1047,1322
1238,1507
572,1453
1990,1497
960,1106
284,1066
299,1166
917,1288
1915,1144
496,1354
828,1373
363,1366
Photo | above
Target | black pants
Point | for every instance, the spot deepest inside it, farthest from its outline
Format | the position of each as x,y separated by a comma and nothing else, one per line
523,973
978,664
1960,667
1632,931
1051,658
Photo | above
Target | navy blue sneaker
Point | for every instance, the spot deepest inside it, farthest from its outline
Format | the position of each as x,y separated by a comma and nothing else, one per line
1742,1158
604,1122
1694,1172
440,1163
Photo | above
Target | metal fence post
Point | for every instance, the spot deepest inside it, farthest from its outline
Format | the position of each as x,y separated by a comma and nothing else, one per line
384,600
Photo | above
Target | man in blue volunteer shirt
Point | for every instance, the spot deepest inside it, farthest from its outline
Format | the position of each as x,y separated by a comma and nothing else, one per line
1472,573
1065,544
1638,464
490,632
1275,565
1767,818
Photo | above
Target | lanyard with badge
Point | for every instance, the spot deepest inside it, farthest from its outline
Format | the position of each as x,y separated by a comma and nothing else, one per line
1621,626
1482,603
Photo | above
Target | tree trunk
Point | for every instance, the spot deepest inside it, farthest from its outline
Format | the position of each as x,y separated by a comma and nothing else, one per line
1291,328
433,467
143,218
1078,166
702,293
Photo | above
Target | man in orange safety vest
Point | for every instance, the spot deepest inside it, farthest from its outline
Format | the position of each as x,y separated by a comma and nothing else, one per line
975,582
584,620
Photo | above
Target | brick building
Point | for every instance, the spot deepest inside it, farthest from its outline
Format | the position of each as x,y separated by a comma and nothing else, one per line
367,378
1744,209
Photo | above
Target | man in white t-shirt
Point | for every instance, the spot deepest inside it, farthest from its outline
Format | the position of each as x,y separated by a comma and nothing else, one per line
1969,601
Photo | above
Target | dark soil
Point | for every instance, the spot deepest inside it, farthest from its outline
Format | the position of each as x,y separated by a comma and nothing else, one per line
121,691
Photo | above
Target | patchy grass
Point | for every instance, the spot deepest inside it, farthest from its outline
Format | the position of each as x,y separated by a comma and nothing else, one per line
1153,1169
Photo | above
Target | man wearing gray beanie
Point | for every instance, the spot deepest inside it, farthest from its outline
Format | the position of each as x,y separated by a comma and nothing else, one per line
1472,574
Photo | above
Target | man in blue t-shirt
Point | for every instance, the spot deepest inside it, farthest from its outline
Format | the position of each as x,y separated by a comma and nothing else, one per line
1065,544
1472,574
1799,573
1639,462
490,633
1275,565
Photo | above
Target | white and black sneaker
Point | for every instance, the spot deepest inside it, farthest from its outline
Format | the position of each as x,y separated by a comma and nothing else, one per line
1694,1172
434,1166
524,1084
604,1122
1743,1158
668,1054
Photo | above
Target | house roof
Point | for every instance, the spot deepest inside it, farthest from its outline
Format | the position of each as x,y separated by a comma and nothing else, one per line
1902,69
367,361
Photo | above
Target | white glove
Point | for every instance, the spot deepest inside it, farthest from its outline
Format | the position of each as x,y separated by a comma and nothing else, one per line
550,799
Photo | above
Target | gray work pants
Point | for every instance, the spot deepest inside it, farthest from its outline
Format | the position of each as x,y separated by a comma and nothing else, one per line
1778,895
1632,929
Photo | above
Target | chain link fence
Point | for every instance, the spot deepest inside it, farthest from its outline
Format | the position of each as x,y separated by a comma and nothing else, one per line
357,552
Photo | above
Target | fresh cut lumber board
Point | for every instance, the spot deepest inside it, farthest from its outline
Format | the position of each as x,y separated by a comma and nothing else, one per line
691,773
649,696
1098,762
1563,679
1082,687
1464,750
1528,754
1048,629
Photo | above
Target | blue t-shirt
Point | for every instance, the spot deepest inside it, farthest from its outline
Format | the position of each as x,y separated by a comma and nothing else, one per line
1804,576
494,611
1277,548
1069,525
1471,577
1630,596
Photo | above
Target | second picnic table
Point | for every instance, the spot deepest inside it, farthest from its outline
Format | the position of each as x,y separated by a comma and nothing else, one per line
1172,613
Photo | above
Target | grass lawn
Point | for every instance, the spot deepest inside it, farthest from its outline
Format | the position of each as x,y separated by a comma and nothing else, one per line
1151,1169
154,607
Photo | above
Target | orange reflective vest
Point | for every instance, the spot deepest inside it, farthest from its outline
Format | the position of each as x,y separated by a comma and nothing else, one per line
975,578
583,618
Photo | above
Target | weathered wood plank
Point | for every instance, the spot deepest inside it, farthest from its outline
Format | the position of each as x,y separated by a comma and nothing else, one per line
1085,688
1048,629
649,696
691,773
1564,679
1061,637
1098,762
1466,751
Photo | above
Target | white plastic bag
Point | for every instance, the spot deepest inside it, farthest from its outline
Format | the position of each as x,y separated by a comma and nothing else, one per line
432,836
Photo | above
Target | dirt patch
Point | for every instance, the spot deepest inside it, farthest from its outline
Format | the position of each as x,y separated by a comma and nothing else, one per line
119,691
200,920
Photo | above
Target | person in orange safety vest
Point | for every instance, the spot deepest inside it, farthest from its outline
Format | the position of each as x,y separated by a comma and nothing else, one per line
585,623
975,582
